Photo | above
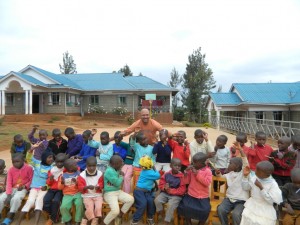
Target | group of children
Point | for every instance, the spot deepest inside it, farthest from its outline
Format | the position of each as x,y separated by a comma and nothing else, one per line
83,172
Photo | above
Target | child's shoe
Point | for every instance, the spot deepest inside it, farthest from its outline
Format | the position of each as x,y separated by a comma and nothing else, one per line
150,222
49,222
6,221
134,223
94,221
118,220
84,222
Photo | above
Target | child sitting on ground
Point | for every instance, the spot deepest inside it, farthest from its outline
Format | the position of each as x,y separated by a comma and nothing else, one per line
264,191
172,188
144,193
104,150
41,142
291,199
113,180
201,143
75,142
163,152
57,144
295,146
260,151
141,148
235,195
180,148
241,138
90,184
19,145
38,188
54,196
86,151
19,178
68,183
283,161
222,157
195,204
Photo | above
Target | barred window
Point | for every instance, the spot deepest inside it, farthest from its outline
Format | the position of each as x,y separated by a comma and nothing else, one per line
94,99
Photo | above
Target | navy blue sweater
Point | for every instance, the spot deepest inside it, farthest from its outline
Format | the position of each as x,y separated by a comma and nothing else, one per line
163,153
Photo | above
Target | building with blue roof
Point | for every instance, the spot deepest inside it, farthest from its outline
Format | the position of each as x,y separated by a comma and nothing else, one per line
35,90
262,102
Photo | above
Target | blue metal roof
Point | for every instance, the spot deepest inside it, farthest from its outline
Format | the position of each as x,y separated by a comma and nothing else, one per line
225,98
146,83
30,79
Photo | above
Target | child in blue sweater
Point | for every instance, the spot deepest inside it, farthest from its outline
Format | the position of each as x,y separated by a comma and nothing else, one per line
163,152
143,193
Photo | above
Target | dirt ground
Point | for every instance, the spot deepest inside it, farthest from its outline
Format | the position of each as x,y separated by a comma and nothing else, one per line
9,129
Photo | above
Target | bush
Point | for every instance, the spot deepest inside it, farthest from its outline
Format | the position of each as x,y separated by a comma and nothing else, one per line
179,114
119,110
206,125
191,124
130,119
96,109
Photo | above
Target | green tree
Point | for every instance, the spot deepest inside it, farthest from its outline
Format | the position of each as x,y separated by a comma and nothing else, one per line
198,80
68,66
175,81
126,70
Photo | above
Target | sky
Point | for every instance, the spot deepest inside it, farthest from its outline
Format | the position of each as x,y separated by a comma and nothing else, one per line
243,40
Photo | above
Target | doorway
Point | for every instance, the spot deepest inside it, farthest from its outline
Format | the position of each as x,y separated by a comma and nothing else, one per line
35,103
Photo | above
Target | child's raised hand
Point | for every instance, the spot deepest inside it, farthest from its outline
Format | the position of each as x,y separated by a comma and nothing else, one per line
289,209
94,131
258,184
205,136
97,153
246,171
237,145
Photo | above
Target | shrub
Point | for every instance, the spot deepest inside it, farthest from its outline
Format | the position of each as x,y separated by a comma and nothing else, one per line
96,109
119,110
130,119
179,114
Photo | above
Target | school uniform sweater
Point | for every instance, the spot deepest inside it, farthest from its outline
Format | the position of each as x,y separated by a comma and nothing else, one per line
141,151
147,178
283,162
120,150
163,152
85,152
258,154
181,152
20,149
41,148
112,180
176,183
106,151
291,194
86,179
56,173
74,145
69,187
58,146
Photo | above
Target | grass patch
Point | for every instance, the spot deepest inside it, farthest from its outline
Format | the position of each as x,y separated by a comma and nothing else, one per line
192,124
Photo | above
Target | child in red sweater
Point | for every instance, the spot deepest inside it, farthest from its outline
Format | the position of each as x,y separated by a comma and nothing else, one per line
259,151
180,148
54,196
241,138
90,184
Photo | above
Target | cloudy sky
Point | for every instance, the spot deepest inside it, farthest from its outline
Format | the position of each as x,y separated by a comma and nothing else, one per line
244,40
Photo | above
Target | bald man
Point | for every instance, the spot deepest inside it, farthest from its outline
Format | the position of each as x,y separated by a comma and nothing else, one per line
149,126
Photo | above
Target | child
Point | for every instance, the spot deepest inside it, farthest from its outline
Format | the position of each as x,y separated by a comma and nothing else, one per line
3,177
260,151
104,152
19,145
172,188
181,149
54,196
113,179
124,150
242,139
199,145
42,140
222,156
19,178
283,161
90,184
259,209
86,151
295,146
163,152
57,144
38,188
291,199
196,205
75,142
235,195
143,193
68,183
141,148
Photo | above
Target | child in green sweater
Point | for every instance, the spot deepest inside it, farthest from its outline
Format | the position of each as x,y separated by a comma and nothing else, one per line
113,182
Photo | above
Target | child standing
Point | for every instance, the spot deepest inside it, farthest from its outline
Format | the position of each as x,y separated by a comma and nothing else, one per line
241,138
143,193
113,179
291,199
68,183
172,188
283,161
19,145
180,148
90,184
38,188
57,144
264,191
196,205
235,195
19,178
54,196
201,143
75,142
295,146
163,152
260,151
222,156
42,140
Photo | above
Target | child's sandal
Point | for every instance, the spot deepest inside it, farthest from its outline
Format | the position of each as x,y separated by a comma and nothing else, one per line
94,221
150,222
6,221
84,222
134,223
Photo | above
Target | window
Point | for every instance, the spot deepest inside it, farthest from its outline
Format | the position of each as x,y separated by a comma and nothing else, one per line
9,99
259,116
122,100
73,100
55,98
94,99
277,116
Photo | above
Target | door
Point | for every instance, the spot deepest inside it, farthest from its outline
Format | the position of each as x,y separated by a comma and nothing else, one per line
35,103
